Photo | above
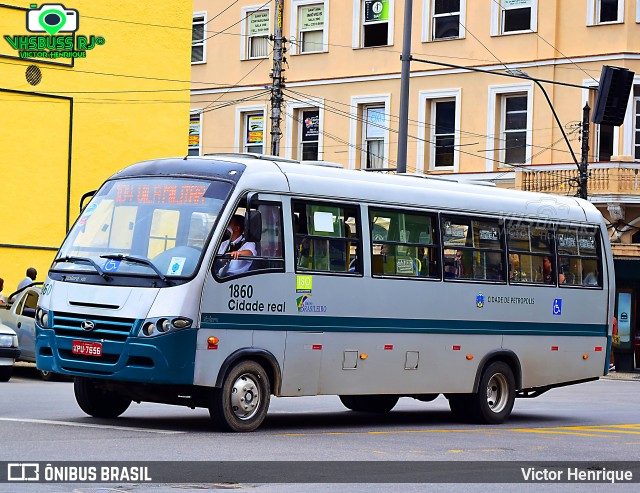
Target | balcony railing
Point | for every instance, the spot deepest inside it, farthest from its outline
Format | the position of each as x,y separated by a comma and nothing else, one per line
604,179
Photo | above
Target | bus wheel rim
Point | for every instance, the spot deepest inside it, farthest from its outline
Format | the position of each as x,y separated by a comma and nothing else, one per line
497,392
245,397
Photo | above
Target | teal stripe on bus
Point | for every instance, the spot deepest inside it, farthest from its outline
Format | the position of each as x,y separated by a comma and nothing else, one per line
393,325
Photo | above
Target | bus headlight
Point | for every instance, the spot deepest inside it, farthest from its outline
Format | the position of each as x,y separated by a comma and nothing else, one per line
42,318
162,325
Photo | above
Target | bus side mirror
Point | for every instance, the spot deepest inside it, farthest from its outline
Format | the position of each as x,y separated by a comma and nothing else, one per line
253,226
85,197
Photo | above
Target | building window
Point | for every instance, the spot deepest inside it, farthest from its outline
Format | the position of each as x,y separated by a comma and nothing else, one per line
605,12
375,23
514,129
253,133
373,132
309,134
514,16
197,39
311,28
257,33
195,126
446,19
604,142
443,118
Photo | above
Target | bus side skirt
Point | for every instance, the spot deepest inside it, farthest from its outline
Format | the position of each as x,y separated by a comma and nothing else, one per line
537,391
261,356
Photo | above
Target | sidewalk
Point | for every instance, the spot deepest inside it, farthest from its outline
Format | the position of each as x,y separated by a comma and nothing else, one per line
616,375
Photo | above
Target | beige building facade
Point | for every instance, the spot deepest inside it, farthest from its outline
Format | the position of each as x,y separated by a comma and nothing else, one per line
342,95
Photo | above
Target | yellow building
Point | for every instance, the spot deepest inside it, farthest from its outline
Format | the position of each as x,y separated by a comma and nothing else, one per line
342,94
69,123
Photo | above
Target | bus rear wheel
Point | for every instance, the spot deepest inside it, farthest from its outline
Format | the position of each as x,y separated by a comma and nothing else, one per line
243,401
493,402
98,402
370,403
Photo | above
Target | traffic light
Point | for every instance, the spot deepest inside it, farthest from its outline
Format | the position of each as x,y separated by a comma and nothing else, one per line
613,95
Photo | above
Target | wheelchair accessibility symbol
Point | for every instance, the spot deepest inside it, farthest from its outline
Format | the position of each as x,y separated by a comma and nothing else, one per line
557,306
111,265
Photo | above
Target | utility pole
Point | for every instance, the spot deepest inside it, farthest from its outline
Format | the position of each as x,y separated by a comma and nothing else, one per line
583,178
278,79
403,128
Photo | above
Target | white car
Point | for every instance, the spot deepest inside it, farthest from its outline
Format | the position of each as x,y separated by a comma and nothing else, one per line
19,314
9,352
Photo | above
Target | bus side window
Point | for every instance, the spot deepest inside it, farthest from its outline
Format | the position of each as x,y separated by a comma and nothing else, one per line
403,244
326,237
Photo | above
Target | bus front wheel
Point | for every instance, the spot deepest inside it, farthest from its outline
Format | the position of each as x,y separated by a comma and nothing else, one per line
493,402
369,403
98,402
242,402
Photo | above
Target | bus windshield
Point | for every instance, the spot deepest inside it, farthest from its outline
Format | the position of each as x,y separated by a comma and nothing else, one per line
155,227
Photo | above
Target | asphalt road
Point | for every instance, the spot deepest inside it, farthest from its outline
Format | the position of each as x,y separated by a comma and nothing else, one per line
597,421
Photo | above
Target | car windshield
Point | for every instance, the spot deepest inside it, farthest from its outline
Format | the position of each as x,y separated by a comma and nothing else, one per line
154,227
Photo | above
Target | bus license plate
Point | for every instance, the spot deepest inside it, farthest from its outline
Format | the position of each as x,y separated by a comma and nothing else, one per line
86,348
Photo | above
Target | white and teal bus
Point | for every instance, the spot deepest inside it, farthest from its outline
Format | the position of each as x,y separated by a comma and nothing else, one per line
367,286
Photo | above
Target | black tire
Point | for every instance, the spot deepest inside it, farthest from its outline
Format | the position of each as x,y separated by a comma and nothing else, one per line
493,402
379,404
5,373
243,401
97,402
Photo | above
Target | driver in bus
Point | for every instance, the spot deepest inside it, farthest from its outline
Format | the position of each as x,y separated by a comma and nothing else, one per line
236,246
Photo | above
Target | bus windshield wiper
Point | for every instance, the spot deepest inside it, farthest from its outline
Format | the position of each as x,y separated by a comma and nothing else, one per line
137,260
83,260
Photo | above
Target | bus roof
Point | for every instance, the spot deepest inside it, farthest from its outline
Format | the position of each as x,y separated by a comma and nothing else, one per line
316,179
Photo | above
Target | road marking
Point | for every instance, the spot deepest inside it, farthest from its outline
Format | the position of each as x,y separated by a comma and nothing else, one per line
598,431
87,425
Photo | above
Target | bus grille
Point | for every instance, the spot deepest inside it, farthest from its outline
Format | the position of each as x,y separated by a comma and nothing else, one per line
105,328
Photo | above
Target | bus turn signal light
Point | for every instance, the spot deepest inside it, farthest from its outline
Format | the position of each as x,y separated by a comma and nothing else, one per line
364,356
585,356
469,357
212,342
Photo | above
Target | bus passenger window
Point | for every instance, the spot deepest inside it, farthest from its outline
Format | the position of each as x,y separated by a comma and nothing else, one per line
327,237
403,244
579,257
472,249
531,258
